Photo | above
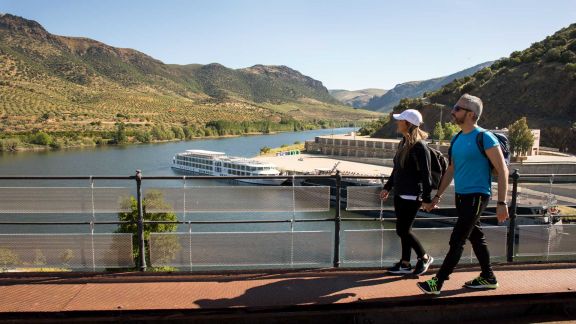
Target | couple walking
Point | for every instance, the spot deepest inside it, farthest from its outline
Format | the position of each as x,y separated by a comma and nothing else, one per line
471,170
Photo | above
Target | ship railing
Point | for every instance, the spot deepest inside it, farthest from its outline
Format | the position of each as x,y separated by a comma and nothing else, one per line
202,223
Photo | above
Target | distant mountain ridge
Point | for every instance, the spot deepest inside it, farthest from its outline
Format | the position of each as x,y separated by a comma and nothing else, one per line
538,83
415,89
356,98
43,73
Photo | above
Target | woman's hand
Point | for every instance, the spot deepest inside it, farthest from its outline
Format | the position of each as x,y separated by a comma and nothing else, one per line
384,194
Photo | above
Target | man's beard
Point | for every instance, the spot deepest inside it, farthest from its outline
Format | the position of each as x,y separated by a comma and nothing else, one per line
458,121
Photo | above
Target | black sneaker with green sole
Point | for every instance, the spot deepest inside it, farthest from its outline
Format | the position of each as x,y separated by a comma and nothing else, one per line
482,283
430,287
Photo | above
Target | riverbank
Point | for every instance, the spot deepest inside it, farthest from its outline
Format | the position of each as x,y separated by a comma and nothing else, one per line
14,145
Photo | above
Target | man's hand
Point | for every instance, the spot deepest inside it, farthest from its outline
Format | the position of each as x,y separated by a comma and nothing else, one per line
384,194
502,213
431,205
428,206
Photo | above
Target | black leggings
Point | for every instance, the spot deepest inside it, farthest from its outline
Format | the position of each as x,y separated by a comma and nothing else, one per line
405,213
469,208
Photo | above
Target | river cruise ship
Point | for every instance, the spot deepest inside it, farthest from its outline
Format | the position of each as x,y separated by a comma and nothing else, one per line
219,164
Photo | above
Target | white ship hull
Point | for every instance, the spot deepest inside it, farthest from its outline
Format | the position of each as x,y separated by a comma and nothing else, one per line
211,163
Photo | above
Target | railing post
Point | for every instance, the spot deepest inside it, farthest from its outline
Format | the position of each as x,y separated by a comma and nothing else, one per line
141,243
512,213
337,221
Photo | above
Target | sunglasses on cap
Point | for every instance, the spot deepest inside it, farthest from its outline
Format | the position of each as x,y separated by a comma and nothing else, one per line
458,108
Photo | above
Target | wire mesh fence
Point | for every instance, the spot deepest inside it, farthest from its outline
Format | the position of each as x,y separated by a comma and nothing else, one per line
66,251
381,247
24,200
240,199
198,251
260,227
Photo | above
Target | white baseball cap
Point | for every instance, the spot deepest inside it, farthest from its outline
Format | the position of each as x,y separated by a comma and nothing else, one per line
412,116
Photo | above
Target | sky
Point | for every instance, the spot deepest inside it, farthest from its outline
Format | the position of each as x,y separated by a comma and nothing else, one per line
350,45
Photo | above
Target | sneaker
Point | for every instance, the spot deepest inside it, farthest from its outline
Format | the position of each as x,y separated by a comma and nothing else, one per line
482,283
430,287
422,266
398,268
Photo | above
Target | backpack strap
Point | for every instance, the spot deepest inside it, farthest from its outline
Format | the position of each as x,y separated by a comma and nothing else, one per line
450,148
480,142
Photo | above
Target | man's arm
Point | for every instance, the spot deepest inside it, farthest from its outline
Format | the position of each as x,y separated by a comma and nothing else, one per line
497,159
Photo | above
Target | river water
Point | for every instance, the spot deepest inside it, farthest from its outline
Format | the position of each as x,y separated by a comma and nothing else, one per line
153,160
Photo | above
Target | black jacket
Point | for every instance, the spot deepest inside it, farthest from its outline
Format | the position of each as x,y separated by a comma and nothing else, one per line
414,178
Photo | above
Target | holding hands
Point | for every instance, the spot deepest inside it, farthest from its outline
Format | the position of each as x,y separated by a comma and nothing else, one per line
431,205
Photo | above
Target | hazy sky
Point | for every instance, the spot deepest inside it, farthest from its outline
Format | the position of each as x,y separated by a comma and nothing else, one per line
345,44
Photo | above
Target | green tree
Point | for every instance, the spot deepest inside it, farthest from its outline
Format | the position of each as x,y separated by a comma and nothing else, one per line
373,126
143,136
119,136
520,137
155,209
9,144
178,132
438,131
450,129
265,150
41,138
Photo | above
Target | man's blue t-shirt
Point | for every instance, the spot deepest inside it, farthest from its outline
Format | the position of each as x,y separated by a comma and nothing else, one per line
472,172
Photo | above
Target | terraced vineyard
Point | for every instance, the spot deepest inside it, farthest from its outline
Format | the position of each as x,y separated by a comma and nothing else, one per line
78,90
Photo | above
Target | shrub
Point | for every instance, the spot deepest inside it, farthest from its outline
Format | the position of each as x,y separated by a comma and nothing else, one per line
41,138
568,57
144,137
9,144
8,259
570,67
553,55
265,150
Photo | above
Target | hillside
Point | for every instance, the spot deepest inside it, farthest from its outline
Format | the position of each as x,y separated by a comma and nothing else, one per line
415,89
356,98
68,84
538,83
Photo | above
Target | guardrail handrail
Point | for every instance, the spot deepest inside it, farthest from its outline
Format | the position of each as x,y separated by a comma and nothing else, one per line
337,219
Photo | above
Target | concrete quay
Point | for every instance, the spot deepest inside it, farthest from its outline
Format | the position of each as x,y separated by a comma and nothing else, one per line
312,163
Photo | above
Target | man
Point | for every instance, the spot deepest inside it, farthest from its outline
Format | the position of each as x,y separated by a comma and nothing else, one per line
471,172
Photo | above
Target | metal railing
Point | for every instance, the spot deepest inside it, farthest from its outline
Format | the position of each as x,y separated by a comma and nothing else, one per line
255,206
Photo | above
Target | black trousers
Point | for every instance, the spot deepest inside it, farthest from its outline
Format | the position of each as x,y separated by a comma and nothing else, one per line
405,213
469,208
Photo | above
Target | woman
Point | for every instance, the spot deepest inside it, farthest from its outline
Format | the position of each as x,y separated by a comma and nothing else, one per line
411,181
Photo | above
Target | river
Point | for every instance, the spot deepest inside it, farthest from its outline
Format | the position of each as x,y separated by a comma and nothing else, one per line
152,159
